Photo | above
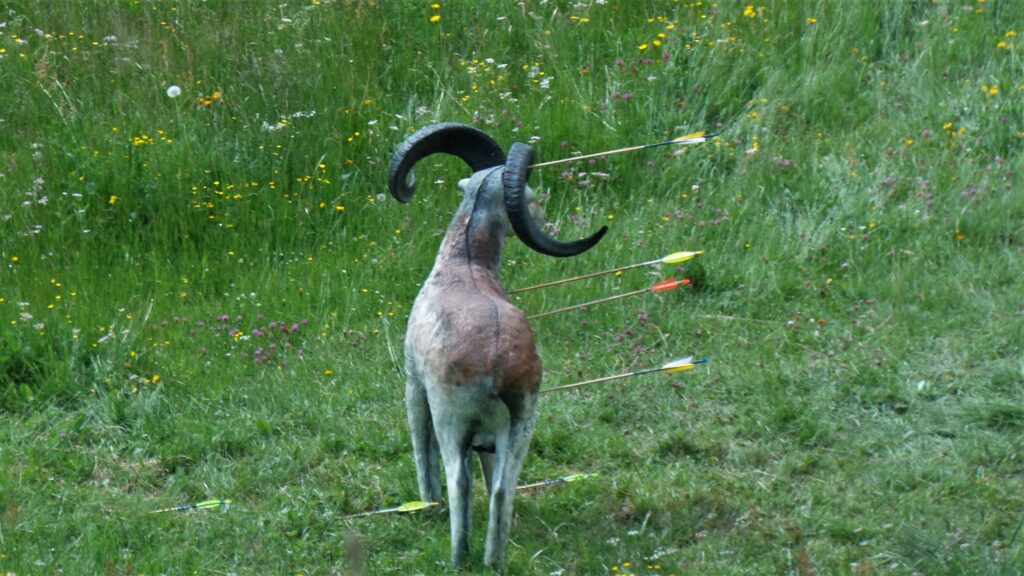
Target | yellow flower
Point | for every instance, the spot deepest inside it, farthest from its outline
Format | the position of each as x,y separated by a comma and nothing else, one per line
113,200
643,46
812,20
435,18
749,12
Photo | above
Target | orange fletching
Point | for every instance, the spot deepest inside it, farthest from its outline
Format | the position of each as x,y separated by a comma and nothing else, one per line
669,284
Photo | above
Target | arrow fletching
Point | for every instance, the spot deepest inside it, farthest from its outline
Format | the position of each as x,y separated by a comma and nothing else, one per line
680,257
694,138
416,505
665,285
682,364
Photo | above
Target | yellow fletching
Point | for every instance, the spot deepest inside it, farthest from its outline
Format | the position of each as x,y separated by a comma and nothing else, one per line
414,506
692,136
679,365
677,257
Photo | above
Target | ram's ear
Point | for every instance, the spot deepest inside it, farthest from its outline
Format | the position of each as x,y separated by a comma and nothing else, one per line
514,178
475,147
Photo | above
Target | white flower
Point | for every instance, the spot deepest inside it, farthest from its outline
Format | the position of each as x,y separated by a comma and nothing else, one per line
173,91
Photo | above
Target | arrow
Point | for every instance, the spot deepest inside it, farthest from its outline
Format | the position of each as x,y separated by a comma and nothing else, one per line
562,480
204,505
662,286
673,258
407,507
416,505
685,140
676,366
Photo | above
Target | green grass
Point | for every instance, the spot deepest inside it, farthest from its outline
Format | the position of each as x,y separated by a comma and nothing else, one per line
204,297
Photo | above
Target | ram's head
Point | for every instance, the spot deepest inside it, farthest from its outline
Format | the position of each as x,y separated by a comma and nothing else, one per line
481,152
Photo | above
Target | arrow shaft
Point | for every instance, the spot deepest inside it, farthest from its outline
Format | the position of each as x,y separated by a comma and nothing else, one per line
585,304
603,379
583,277
598,154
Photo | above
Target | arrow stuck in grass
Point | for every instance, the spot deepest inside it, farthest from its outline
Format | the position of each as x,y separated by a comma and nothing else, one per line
663,286
204,505
417,505
680,365
561,480
673,258
685,140
413,506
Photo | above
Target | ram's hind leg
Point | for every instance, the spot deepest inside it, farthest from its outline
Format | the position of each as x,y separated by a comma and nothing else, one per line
508,463
459,476
424,440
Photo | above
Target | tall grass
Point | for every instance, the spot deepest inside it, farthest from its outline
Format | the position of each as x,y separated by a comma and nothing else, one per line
204,296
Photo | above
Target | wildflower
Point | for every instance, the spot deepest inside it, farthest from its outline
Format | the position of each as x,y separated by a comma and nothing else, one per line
749,12
113,200
435,18
173,91
812,20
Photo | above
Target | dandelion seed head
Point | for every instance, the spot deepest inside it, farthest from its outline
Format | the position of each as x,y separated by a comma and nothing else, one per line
173,91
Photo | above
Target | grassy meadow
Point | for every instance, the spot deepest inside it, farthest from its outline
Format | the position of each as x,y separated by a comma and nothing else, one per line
204,283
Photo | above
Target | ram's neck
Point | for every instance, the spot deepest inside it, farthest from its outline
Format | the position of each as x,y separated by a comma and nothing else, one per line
473,244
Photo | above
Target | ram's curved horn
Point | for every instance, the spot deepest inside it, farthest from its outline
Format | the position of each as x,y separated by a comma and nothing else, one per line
476,148
517,172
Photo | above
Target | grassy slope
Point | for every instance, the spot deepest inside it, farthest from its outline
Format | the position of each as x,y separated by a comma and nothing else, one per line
860,298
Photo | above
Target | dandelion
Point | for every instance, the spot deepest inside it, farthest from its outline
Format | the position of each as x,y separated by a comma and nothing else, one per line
173,91
749,12
435,18
112,200
812,20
